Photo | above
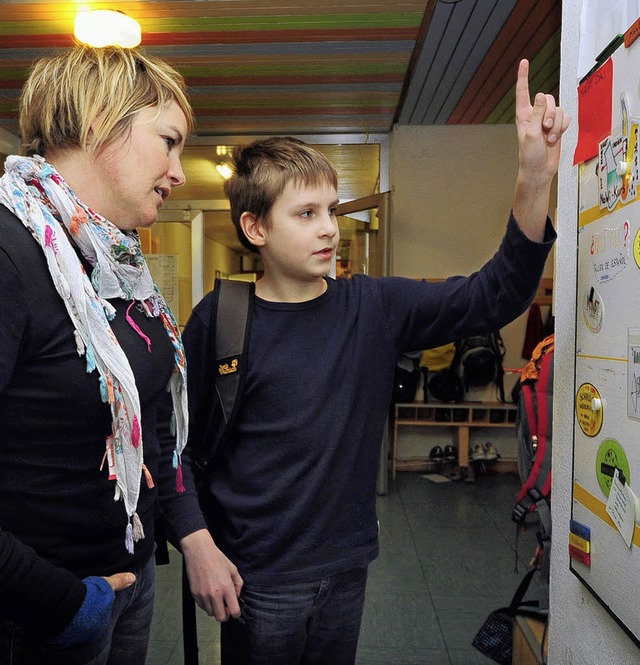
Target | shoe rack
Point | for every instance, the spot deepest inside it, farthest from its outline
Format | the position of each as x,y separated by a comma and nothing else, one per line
459,417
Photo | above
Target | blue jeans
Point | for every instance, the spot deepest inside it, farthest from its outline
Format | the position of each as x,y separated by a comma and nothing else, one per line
124,643
301,623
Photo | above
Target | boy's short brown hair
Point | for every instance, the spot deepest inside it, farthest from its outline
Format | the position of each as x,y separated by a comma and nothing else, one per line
263,169
105,87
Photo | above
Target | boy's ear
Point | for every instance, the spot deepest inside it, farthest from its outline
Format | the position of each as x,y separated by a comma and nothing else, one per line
253,228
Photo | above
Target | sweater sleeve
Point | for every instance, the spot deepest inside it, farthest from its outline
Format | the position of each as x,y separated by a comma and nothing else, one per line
424,315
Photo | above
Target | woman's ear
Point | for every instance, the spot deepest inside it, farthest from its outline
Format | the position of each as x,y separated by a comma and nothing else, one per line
253,228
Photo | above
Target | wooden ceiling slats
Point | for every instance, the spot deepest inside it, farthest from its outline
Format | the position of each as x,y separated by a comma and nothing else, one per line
337,66
528,28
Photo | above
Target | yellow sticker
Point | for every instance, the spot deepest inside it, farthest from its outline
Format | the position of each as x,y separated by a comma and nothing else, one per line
579,543
636,248
589,409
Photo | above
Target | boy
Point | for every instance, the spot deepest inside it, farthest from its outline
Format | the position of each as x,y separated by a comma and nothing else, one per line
291,496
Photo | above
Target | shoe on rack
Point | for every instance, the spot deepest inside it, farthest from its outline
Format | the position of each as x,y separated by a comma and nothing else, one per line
436,454
477,453
490,452
450,454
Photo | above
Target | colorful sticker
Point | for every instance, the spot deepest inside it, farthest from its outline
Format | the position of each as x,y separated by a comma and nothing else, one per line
589,409
609,252
610,456
593,310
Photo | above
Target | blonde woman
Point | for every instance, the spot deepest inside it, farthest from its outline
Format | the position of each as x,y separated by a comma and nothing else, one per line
89,349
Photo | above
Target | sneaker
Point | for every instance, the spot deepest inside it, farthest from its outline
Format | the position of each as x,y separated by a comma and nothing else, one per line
477,453
490,452
450,454
436,454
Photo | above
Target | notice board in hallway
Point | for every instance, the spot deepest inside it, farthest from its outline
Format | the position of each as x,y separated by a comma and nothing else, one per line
604,544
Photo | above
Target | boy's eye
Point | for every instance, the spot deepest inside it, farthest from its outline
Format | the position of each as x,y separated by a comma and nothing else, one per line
333,210
306,214
169,141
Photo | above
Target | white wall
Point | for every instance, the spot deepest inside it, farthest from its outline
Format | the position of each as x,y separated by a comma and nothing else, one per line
452,193
582,632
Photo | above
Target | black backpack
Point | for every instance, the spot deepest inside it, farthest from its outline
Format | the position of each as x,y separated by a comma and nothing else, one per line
478,360
231,313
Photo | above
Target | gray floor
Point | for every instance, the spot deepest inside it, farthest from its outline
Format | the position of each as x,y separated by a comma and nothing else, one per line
447,558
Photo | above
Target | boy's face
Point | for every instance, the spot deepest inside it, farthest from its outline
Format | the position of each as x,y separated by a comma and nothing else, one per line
302,234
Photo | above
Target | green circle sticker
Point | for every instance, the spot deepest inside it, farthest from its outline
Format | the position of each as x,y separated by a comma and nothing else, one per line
610,456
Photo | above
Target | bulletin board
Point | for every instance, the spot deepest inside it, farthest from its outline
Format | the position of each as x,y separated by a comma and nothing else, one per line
604,539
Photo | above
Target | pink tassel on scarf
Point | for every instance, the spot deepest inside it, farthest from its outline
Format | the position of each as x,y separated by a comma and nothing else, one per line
179,484
135,432
135,326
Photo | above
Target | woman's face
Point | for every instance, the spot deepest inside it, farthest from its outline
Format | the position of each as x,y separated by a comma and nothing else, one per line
138,172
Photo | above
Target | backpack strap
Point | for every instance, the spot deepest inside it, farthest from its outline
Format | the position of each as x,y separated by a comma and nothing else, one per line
231,320
232,325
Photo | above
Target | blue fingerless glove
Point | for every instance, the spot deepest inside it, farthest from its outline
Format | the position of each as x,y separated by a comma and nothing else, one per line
92,619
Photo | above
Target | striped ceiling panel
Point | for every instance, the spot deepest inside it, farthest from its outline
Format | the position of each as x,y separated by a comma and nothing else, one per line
304,67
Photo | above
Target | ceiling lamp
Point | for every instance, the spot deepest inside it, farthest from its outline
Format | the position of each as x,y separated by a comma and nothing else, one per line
222,161
224,170
107,27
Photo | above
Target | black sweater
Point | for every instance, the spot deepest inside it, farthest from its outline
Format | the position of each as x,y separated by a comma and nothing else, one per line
293,491
58,520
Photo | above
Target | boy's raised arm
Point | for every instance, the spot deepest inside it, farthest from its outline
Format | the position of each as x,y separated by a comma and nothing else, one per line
540,128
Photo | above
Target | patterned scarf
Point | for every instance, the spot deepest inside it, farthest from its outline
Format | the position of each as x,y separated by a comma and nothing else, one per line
36,193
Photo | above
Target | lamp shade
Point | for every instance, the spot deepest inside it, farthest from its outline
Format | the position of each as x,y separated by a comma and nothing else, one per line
107,27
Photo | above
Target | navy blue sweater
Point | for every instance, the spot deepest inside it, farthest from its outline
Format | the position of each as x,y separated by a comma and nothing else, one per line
293,490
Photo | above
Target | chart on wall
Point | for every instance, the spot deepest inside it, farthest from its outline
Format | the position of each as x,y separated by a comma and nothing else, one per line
604,545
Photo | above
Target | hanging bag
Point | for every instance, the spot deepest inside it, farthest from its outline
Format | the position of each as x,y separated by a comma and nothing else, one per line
495,637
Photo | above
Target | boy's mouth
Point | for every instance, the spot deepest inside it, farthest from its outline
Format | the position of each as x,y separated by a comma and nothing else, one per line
325,252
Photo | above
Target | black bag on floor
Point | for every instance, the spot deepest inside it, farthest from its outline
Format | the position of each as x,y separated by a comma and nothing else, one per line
495,637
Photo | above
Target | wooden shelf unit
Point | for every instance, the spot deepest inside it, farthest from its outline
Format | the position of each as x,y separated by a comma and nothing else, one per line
460,417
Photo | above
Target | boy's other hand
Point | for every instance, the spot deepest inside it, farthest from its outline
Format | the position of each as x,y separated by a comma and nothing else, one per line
214,581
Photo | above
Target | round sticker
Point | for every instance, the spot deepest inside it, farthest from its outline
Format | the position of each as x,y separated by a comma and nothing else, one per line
593,310
610,456
589,409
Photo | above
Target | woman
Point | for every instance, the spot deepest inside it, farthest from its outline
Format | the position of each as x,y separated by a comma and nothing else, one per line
89,347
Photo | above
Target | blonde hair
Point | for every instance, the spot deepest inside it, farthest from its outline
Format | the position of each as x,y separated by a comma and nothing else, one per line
263,169
88,97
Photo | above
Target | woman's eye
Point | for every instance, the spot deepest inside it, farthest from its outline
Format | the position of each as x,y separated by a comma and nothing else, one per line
333,211
170,141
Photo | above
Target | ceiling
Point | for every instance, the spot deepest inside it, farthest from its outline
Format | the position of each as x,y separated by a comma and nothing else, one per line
340,67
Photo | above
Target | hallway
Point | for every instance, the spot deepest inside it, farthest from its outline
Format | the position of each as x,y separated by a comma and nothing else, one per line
447,556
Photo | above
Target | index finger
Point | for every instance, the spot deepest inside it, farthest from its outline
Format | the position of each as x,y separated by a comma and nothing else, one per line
523,100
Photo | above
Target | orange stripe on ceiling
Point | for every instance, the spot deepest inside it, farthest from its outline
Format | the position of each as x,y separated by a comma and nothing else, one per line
528,28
